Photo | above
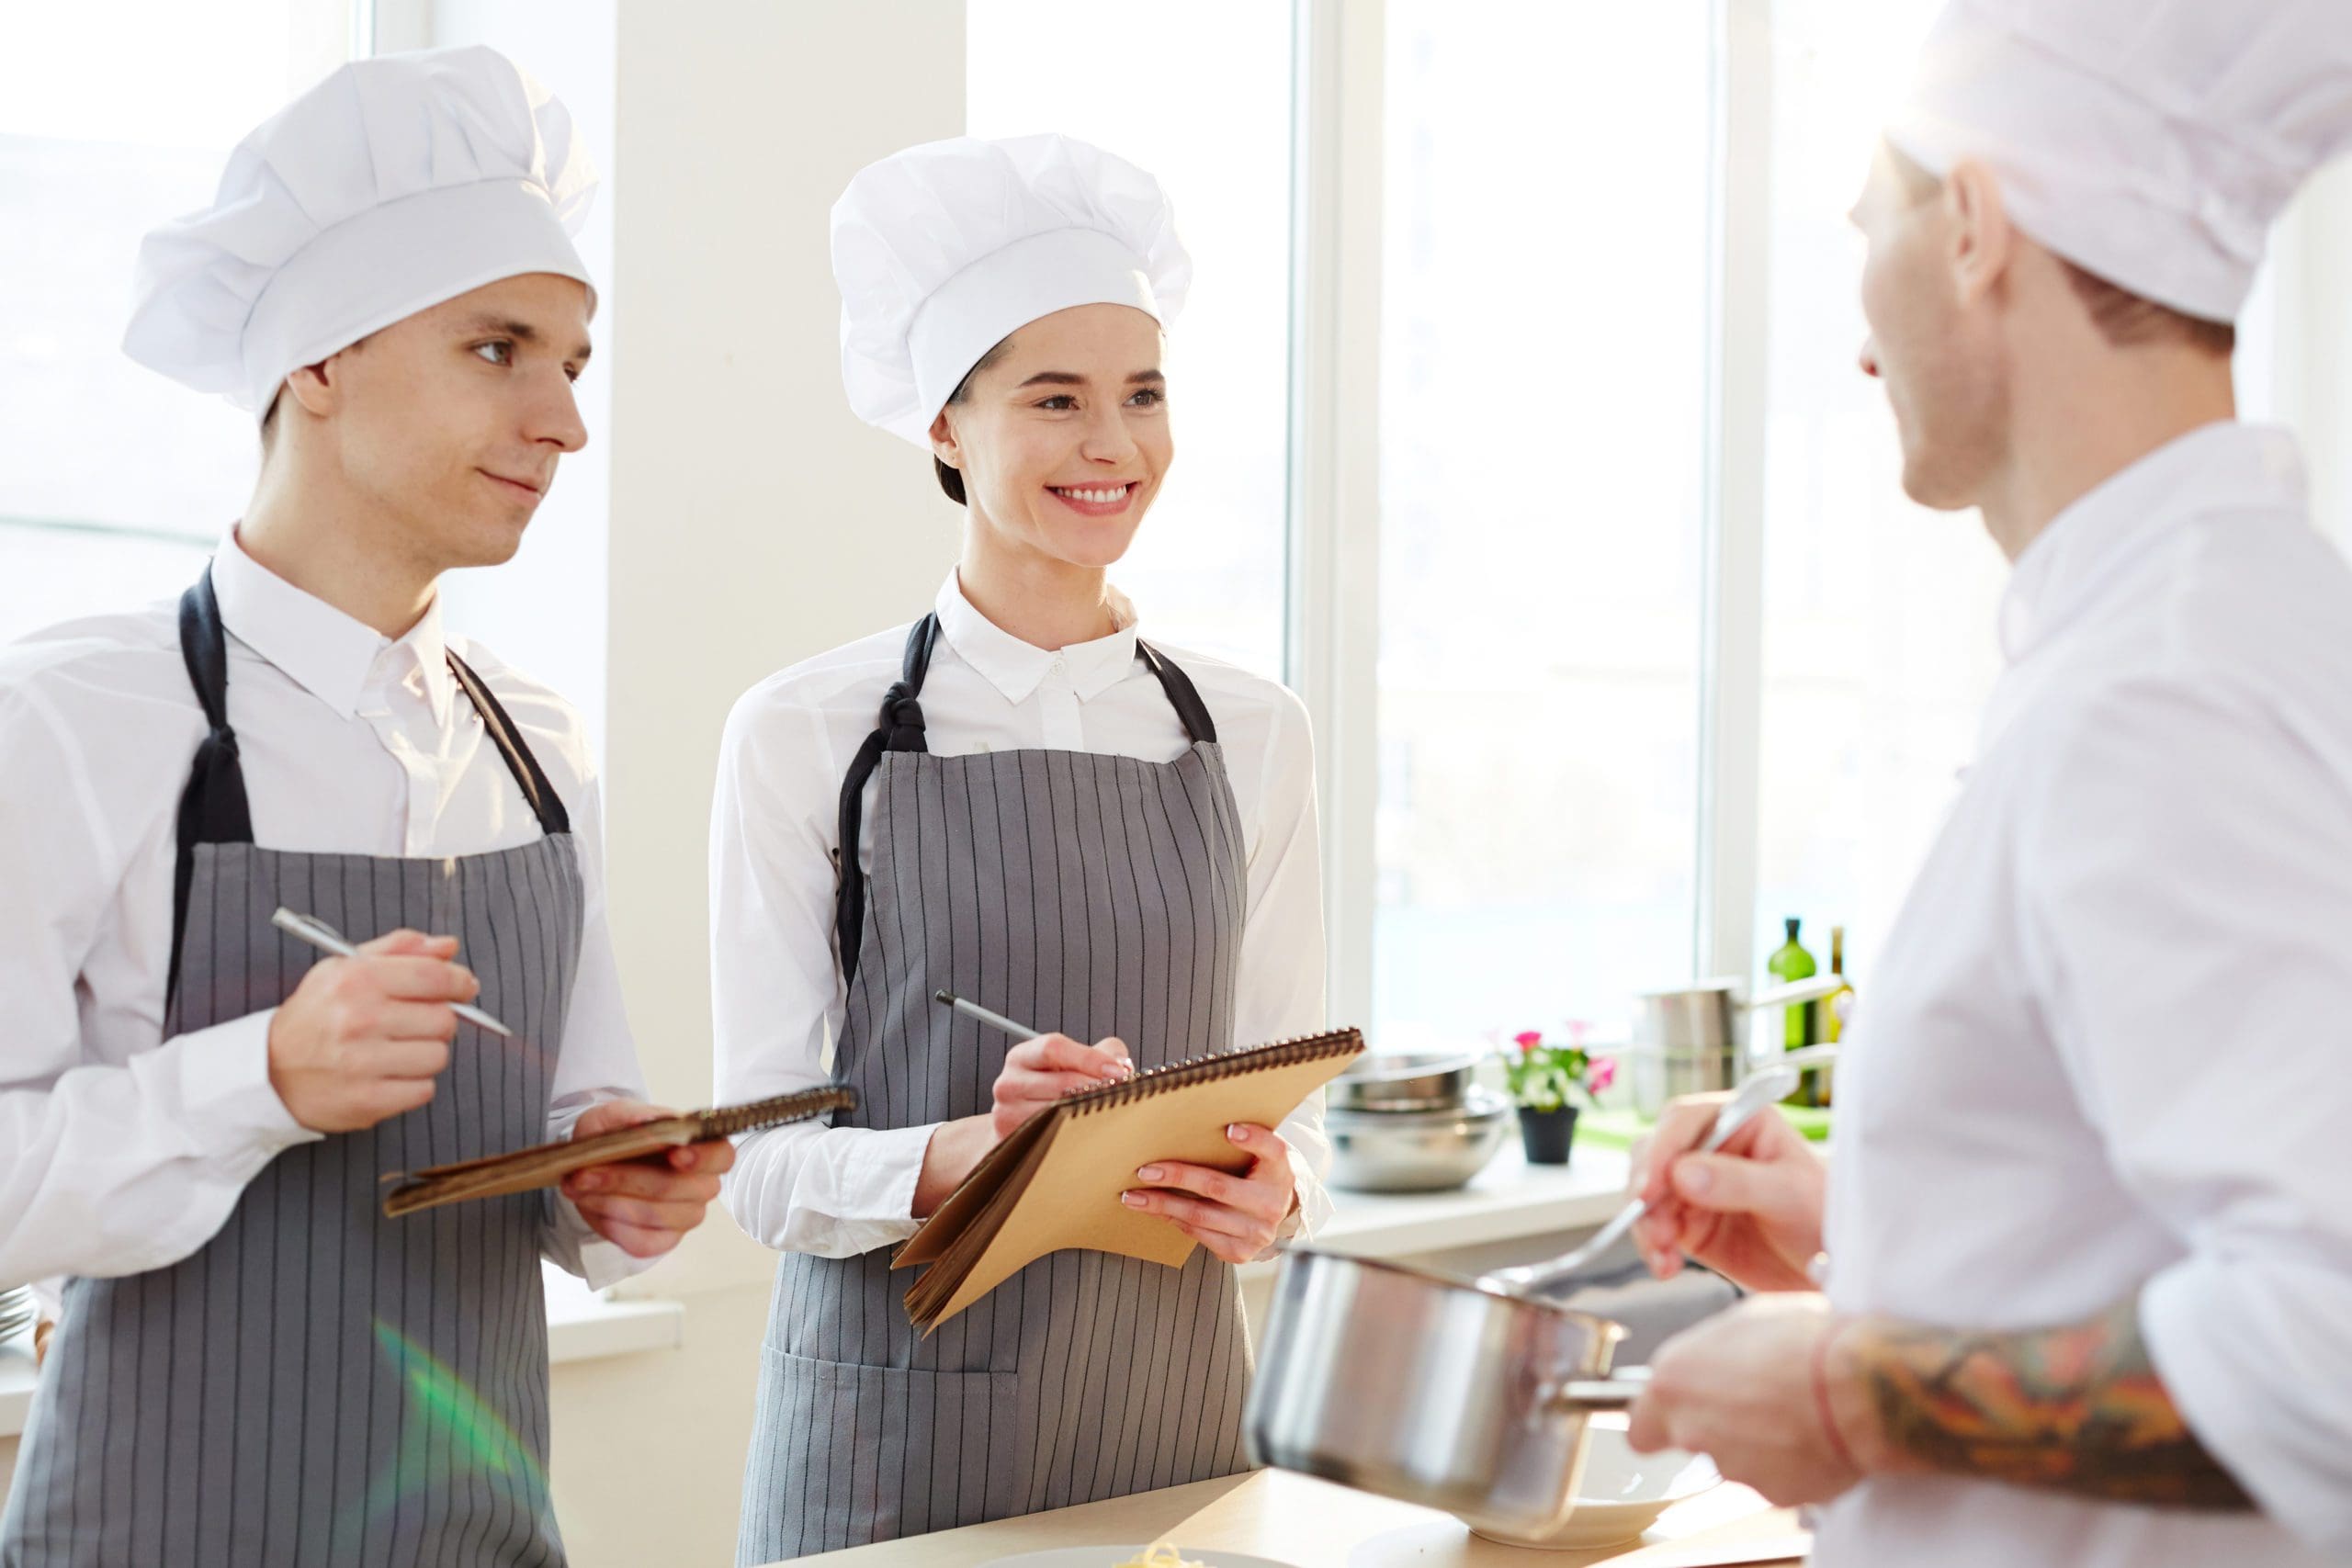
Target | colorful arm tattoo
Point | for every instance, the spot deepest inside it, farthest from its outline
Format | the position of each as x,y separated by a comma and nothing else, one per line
2077,1409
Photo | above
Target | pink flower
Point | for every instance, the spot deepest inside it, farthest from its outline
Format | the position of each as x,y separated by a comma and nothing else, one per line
1528,1039
1602,1073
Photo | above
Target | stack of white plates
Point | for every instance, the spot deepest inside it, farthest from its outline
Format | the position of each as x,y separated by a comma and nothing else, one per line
15,1311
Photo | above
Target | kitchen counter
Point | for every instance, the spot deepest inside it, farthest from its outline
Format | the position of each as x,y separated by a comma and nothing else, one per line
1307,1523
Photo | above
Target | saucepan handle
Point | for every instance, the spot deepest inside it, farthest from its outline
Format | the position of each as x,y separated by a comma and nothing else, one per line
1616,1392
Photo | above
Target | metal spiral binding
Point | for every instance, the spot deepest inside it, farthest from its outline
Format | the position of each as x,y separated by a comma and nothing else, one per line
1216,1065
779,1109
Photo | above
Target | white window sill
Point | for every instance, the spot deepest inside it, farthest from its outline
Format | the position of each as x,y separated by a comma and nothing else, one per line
1510,1200
585,1326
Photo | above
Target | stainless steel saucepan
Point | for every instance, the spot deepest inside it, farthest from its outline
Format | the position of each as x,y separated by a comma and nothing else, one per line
1471,1396
1689,1040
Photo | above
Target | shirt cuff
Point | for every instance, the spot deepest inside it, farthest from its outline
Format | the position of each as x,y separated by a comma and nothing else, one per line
879,1172
224,1084
573,1246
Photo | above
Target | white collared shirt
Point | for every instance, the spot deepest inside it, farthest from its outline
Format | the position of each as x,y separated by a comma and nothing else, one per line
838,1191
121,1151
2108,1049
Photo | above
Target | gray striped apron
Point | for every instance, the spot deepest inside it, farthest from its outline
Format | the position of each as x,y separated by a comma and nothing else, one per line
319,1385
1092,894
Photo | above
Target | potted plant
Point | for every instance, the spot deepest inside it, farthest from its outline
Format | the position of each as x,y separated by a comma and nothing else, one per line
1542,1079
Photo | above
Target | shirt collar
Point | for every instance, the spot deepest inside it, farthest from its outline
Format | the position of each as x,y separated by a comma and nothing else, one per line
326,652
2221,466
1015,668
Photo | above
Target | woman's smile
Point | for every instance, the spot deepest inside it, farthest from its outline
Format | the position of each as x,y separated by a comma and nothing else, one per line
1097,500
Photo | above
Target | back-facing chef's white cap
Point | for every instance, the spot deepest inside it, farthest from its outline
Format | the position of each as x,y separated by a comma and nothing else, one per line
2152,143
945,249
395,183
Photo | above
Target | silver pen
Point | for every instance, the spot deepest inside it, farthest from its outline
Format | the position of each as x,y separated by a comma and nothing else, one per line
326,939
993,1019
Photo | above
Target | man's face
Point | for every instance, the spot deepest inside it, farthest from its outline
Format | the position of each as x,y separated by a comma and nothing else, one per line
452,420
1064,440
1938,355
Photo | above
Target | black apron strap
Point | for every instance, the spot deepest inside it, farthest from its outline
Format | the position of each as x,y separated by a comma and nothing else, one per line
1182,695
213,810
900,730
213,807
546,804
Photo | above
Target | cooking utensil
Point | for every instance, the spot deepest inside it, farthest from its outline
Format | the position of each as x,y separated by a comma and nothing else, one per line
1458,1395
1415,1151
1408,1080
1767,1087
1622,1493
1469,1396
326,939
1689,1040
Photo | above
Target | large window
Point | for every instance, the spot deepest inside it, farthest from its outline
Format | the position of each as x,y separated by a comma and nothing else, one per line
1207,570
1878,614
114,481
1543,468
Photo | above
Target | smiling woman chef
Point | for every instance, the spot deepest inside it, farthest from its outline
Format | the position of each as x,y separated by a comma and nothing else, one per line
1019,800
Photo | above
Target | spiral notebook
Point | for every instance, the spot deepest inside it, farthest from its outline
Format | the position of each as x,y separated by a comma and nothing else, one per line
1055,1182
544,1164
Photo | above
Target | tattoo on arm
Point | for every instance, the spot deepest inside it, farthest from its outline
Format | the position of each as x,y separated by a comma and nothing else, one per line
2077,1409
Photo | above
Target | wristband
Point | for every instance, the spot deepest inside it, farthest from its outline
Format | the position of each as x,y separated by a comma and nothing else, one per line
1821,1393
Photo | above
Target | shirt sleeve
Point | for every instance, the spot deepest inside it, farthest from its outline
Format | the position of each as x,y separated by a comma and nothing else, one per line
775,1001
2187,903
105,1168
599,1057
1280,991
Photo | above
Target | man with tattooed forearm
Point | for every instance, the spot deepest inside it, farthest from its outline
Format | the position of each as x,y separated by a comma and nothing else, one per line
2087,1241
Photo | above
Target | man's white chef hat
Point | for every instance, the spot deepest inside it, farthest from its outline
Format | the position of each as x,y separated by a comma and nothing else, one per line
395,183
2152,143
945,249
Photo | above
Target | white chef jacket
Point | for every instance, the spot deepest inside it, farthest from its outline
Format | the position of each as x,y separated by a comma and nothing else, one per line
778,1002
2108,1044
121,1151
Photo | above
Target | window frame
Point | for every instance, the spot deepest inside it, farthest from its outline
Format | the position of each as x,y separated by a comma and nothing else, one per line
1332,641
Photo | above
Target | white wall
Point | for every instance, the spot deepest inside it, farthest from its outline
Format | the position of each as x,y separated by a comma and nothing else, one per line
755,523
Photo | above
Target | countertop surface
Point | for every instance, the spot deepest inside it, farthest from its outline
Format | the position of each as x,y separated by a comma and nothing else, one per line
1509,1200
1304,1523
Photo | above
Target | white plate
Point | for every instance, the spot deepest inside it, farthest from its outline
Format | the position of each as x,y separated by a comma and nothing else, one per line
1622,1493
1109,1556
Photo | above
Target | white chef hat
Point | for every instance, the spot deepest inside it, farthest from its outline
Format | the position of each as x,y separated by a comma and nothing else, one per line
395,183
945,249
2152,143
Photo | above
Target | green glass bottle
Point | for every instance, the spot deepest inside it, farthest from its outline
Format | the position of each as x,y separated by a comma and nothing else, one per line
1794,962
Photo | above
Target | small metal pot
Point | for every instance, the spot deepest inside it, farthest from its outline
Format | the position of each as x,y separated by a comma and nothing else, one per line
1405,1080
1688,1040
1458,1395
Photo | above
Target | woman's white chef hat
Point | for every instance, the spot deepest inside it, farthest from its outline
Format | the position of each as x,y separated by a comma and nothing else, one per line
943,250
395,183
2152,143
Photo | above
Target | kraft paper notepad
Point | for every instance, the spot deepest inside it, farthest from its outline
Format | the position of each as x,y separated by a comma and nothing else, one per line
544,1164
1055,1182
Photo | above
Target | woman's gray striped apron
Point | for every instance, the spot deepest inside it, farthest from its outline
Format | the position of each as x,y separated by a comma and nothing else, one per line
1092,894
319,1385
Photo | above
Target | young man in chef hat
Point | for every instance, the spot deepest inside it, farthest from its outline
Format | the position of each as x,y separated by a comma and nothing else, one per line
254,1364
2088,1232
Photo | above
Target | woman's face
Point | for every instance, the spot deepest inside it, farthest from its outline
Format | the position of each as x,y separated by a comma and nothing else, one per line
1063,440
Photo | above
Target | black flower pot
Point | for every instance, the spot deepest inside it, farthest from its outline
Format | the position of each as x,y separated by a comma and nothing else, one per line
1547,1134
